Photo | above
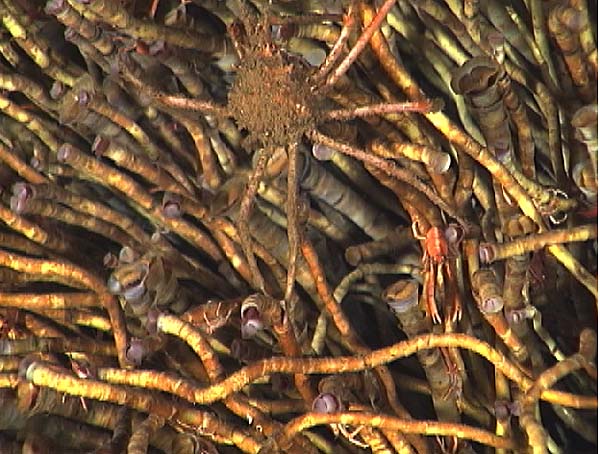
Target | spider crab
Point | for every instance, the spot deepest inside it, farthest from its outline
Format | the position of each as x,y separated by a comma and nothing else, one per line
279,101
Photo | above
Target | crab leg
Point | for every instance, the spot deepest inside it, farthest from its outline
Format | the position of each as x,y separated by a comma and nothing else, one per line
455,382
338,47
292,220
430,292
361,43
244,216
427,105
453,296
392,170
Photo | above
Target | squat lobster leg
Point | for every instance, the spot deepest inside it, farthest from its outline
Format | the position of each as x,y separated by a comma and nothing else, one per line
430,284
349,434
218,322
452,296
454,235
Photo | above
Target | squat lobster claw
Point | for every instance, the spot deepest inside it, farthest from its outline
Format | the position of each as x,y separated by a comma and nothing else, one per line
440,245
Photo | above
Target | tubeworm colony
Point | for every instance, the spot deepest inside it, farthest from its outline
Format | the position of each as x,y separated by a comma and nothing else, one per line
298,226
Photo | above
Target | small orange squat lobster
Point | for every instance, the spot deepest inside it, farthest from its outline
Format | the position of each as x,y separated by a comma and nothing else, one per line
439,246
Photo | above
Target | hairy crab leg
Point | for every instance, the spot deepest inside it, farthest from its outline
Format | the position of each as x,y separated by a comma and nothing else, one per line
168,100
292,221
385,108
361,43
337,49
391,169
244,216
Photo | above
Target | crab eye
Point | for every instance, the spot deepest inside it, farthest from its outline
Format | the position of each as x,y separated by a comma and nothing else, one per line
326,403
